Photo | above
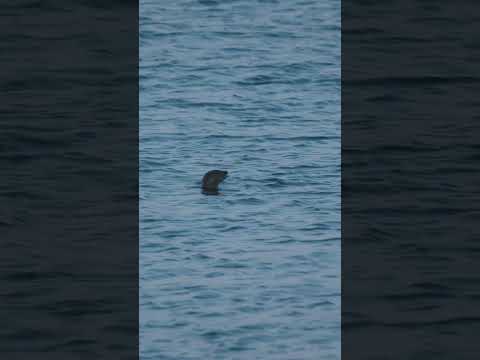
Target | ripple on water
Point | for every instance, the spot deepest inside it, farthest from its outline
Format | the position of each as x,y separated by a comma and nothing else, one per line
251,87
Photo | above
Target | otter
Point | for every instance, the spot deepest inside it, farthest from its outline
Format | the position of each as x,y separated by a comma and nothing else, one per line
211,180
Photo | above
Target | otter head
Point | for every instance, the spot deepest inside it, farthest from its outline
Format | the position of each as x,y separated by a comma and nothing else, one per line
211,180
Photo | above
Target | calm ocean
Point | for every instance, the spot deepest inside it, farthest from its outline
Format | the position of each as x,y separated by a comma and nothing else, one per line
251,87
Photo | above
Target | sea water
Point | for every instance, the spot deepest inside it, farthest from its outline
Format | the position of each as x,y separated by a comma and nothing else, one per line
251,87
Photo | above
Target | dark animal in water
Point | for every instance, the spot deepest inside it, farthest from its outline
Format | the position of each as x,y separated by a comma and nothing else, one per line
212,179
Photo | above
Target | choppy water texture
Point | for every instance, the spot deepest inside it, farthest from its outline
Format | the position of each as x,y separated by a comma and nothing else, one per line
251,87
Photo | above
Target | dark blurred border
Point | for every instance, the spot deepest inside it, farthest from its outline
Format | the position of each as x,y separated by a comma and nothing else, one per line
69,180
410,180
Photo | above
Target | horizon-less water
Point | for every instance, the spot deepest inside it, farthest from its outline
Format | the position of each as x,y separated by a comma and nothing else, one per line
252,87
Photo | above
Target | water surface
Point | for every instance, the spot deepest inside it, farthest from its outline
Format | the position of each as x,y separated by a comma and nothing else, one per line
251,87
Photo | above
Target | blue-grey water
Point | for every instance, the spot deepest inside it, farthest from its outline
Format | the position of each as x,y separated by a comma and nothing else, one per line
251,87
